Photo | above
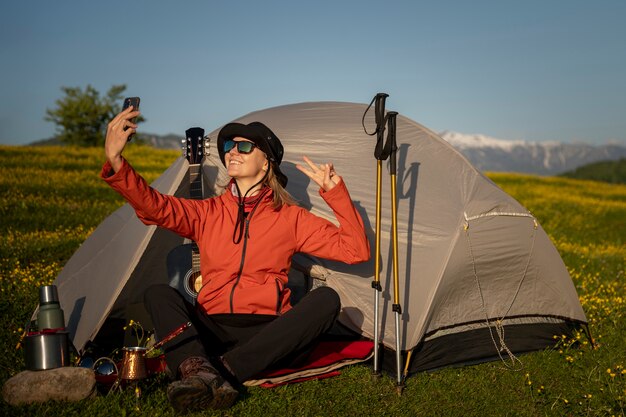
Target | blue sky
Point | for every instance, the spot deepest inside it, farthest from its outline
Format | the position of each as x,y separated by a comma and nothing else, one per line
533,70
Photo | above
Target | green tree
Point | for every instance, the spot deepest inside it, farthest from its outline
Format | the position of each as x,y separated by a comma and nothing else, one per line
608,171
82,116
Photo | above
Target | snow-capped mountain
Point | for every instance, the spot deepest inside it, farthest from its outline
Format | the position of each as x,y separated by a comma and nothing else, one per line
491,154
546,158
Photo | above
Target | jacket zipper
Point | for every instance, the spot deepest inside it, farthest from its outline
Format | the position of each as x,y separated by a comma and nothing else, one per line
277,298
243,251
243,257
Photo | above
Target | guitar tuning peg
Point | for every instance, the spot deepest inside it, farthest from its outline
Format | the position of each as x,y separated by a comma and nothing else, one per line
183,140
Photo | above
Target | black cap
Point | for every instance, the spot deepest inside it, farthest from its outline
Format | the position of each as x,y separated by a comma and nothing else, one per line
262,136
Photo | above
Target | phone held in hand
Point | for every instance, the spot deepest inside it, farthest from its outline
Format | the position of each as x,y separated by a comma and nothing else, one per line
131,101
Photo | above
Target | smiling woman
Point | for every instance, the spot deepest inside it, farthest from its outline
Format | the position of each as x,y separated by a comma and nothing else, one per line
246,238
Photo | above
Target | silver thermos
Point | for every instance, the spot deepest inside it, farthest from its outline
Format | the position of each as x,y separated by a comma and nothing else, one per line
48,346
50,315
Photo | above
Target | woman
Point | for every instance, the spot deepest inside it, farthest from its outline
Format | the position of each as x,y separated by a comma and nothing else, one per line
243,319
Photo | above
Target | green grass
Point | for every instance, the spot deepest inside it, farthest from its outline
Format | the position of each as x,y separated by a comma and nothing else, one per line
51,199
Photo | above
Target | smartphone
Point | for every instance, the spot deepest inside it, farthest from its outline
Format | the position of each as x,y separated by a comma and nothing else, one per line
131,101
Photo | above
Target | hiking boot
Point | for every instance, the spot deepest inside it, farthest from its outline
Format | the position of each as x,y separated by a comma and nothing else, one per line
201,386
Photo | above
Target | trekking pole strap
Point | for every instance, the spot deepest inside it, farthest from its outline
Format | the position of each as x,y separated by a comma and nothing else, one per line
382,150
379,113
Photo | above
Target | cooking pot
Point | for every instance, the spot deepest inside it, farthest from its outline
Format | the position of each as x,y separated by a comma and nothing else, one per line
46,350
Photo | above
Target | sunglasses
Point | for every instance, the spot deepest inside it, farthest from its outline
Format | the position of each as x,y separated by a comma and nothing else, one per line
242,147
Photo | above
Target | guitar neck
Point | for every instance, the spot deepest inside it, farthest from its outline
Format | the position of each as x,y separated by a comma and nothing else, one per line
195,258
195,192
195,181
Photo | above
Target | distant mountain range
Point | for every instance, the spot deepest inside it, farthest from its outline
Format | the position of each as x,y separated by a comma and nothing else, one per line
543,158
170,141
490,154
485,153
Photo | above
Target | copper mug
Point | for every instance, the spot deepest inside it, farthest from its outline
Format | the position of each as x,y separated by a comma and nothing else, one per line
134,363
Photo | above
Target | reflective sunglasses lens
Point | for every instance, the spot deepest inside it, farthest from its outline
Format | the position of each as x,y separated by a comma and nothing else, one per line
242,147
229,145
245,147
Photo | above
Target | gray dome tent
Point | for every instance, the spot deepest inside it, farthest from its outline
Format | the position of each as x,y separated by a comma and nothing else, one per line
478,274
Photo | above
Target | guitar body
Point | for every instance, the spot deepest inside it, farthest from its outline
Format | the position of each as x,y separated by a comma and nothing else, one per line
183,262
181,274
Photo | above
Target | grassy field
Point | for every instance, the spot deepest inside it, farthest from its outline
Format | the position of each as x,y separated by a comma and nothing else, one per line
51,199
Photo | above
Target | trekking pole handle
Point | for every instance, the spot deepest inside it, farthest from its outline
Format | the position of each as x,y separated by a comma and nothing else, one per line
379,111
390,144
379,114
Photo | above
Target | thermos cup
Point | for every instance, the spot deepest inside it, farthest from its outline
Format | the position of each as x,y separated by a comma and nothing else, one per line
47,348
50,315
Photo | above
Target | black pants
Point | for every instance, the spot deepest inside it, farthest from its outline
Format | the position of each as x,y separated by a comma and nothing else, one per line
249,343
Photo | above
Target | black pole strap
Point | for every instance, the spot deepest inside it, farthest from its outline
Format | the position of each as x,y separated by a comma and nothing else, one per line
379,113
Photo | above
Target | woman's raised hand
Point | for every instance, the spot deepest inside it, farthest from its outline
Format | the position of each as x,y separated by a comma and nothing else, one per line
118,131
323,175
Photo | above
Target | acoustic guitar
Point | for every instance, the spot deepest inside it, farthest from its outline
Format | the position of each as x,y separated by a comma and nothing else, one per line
183,266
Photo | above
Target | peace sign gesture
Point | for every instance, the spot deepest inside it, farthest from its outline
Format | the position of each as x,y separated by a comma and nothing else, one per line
323,175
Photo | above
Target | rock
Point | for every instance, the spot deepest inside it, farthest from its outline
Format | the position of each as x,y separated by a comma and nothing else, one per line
60,384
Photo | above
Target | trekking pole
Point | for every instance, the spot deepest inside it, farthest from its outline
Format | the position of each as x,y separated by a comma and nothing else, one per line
380,156
383,150
397,309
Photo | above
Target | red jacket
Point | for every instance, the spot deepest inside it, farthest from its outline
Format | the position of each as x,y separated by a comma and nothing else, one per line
251,276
